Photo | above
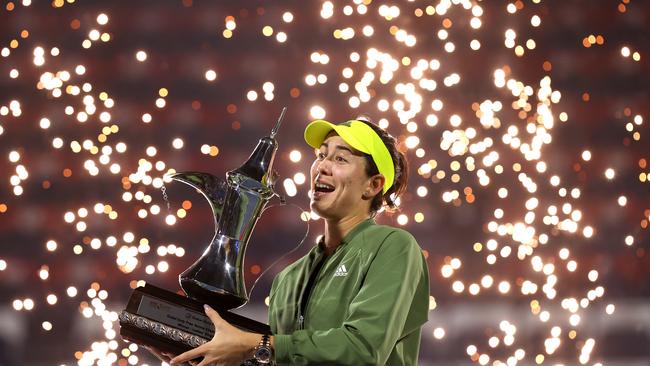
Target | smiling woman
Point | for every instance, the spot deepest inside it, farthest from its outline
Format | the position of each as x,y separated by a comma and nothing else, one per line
361,295
367,140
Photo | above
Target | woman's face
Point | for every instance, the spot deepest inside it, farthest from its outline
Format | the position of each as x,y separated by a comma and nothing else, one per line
339,180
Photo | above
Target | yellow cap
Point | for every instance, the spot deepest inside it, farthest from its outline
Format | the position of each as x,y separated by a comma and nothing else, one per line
361,137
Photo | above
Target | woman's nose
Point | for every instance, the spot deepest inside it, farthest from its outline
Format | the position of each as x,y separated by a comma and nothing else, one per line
323,167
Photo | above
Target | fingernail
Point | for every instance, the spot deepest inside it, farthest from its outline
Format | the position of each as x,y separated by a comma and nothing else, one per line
206,307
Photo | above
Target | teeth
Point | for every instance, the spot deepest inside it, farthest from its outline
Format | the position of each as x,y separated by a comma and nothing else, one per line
325,186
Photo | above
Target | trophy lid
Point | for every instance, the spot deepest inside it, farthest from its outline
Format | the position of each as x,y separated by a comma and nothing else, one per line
259,165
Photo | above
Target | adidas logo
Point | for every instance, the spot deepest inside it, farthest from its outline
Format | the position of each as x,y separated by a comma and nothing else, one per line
341,271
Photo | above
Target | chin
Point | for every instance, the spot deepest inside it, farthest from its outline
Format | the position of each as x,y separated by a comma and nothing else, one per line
322,213
313,206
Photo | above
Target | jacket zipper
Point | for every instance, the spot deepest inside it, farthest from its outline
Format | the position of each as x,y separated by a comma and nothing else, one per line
304,300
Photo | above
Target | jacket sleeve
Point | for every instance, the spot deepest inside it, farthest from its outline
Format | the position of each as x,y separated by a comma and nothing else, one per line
272,324
376,316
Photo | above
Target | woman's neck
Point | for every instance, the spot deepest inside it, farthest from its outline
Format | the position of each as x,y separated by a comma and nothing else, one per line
336,230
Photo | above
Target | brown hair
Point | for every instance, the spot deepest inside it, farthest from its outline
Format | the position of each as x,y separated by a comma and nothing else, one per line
399,163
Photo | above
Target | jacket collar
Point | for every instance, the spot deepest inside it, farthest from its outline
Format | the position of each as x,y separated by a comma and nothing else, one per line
350,235
356,230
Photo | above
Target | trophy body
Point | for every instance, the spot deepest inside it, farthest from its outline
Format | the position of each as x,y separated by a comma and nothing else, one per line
173,323
218,274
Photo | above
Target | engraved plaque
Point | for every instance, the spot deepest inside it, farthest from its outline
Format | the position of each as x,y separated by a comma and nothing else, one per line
173,323
177,317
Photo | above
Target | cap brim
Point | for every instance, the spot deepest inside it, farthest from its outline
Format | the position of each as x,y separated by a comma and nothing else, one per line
316,132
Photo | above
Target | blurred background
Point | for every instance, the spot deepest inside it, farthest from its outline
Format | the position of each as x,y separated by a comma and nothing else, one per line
524,123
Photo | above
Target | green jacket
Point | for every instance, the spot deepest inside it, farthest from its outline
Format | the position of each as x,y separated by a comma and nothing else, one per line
367,304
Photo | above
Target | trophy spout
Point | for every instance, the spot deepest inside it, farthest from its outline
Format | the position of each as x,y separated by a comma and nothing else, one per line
214,189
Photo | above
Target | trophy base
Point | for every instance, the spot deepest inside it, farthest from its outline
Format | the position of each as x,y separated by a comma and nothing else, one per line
172,323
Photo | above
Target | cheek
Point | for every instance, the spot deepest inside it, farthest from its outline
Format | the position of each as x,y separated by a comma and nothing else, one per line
313,170
353,180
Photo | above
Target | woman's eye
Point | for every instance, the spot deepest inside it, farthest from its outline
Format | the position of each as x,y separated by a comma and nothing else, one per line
320,156
341,159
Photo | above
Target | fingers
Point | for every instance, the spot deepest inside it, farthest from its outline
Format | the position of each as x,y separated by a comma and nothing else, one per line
168,356
189,355
203,363
209,349
162,356
213,315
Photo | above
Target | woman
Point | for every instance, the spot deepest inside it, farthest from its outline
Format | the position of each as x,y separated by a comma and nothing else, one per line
361,295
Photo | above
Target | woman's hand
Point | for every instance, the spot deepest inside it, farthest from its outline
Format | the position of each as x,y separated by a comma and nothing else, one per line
229,346
162,356
165,356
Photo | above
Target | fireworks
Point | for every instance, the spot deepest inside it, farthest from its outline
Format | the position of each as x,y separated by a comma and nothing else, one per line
468,87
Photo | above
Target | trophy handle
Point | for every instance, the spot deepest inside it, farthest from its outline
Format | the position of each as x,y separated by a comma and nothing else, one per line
211,187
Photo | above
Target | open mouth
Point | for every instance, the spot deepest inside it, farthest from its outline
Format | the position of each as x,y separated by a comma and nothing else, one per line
322,188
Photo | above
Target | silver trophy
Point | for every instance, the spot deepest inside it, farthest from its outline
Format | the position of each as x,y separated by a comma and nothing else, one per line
173,323
236,205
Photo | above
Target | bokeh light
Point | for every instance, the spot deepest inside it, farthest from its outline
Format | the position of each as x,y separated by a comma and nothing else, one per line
523,123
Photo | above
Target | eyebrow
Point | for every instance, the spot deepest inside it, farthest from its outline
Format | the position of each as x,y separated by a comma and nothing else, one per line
341,147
